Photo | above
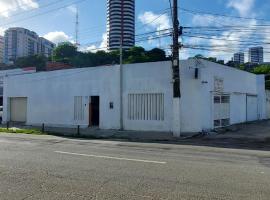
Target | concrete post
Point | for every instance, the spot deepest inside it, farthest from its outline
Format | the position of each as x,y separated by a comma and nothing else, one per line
176,117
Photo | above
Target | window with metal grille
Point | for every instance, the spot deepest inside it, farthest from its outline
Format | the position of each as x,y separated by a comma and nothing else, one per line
78,108
146,107
221,111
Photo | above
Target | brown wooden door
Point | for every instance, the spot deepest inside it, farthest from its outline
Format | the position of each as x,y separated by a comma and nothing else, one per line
90,114
94,111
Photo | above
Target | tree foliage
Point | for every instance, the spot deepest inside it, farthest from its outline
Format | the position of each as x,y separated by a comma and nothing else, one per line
64,53
37,61
262,69
67,53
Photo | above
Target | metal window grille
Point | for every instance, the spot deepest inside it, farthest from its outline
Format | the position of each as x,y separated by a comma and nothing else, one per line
78,108
221,111
146,107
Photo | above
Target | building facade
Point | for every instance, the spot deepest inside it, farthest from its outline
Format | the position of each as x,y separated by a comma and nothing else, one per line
256,55
20,42
120,24
4,73
45,47
213,96
239,58
1,49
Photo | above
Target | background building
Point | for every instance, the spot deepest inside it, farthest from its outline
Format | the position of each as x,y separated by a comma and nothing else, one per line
120,23
45,47
239,58
1,49
256,55
20,42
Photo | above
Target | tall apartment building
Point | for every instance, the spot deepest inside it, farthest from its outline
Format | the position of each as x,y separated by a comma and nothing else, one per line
20,42
256,55
120,23
1,49
239,58
45,47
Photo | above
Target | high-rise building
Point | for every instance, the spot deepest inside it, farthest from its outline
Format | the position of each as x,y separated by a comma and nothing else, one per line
45,47
20,42
239,58
256,55
120,23
1,49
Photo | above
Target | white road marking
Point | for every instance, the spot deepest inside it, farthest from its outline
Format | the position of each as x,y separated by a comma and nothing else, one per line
110,157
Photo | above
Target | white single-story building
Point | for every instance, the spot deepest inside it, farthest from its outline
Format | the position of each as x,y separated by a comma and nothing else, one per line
213,96
9,72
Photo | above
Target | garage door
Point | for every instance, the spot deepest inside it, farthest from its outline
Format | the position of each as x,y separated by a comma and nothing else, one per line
252,108
18,109
221,110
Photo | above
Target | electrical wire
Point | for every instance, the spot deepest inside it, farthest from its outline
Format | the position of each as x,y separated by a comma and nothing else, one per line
40,14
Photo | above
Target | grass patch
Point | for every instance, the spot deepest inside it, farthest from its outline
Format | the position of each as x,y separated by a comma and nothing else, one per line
22,131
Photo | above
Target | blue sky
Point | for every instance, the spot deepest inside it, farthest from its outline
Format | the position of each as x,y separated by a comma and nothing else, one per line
56,21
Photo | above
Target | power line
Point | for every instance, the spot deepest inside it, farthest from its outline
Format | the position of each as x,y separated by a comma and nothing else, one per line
143,36
40,14
159,16
221,15
17,7
221,39
216,50
34,9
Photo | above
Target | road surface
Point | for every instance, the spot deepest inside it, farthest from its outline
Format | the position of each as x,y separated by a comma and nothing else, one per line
48,167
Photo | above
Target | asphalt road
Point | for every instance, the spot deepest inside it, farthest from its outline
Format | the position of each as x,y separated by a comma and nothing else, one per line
48,167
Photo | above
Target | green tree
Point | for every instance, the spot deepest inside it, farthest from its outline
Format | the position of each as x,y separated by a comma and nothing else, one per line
64,53
37,61
136,55
262,69
156,54
68,53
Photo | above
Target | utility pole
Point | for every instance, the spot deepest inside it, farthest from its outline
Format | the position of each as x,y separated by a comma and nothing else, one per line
176,46
176,72
121,67
121,83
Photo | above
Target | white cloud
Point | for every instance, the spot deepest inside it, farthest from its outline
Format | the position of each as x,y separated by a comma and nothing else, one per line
72,9
58,36
160,23
95,48
104,41
224,44
244,7
206,20
156,21
9,6
2,31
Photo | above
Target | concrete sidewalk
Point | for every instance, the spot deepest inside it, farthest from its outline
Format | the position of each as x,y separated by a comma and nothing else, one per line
255,134
257,131
96,133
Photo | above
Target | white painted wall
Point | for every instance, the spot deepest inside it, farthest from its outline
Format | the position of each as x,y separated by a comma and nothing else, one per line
197,99
18,71
51,94
149,78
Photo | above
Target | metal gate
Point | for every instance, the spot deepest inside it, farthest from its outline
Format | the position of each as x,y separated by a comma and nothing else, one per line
221,110
18,109
252,108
